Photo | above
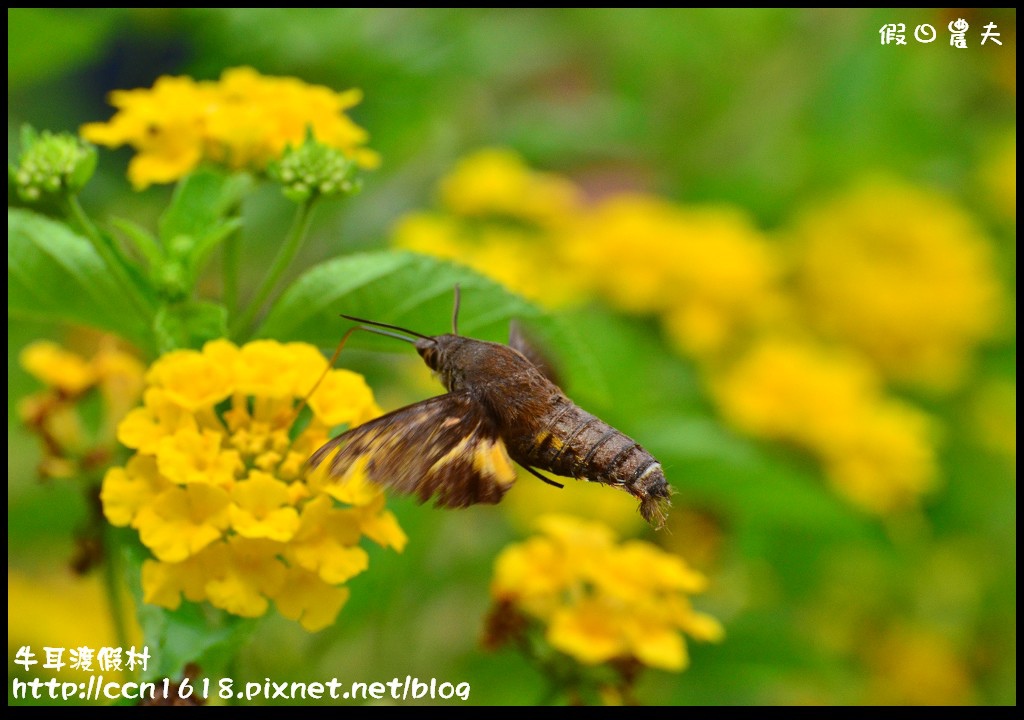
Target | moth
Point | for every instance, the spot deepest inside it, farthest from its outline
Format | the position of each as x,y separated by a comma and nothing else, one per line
502,406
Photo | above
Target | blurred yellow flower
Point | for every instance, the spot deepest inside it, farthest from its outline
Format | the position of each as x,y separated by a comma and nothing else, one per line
600,601
504,220
999,175
497,182
917,666
707,271
242,121
216,487
72,446
904,275
63,609
877,451
58,368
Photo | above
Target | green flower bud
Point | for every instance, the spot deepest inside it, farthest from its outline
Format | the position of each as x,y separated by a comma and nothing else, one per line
50,164
171,280
314,170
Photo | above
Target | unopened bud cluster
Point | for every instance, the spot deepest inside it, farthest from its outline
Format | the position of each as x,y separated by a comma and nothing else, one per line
314,169
51,163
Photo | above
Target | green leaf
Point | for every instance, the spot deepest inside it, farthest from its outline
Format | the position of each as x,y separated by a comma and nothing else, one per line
417,292
54,275
200,203
189,324
142,240
413,291
761,487
206,244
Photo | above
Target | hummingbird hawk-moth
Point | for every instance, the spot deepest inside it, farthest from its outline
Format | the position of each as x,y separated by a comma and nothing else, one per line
502,405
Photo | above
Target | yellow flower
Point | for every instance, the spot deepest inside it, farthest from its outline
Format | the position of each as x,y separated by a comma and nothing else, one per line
707,270
72,446
250,572
589,631
904,275
143,428
496,181
261,508
129,489
877,451
216,487
242,121
600,601
57,367
182,521
192,457
504,220
314,604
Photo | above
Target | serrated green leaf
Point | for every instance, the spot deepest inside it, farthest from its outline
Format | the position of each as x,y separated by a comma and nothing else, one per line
54,275
189,324
417,292
413,291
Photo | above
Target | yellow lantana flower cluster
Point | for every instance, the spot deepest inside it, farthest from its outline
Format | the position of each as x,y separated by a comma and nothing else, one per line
706,271
54,413
504,220
242,121
598,600
218,490
903,275
877,451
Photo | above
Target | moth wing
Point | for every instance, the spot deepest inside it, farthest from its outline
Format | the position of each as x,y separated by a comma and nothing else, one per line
445,447
518,340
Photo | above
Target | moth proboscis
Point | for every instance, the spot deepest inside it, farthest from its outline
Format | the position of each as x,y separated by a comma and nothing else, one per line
501,406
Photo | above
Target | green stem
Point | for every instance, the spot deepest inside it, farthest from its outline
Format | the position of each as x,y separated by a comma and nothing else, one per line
285,254
550,694
555,680
113,261
230,271
111,578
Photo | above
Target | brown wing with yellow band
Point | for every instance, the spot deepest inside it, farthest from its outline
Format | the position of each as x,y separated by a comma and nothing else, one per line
445,448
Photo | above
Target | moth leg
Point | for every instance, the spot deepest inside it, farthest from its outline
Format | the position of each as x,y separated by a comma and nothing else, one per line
548,480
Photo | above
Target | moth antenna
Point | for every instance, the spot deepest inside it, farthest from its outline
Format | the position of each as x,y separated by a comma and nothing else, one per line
385,325
337,352
455,312
385,333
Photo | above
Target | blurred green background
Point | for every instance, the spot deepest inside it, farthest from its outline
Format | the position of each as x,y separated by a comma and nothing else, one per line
767,110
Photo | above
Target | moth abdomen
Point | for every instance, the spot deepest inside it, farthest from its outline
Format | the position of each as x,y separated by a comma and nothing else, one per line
574,443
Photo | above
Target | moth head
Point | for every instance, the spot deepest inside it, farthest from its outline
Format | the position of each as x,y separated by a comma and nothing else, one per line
446,355
430,350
